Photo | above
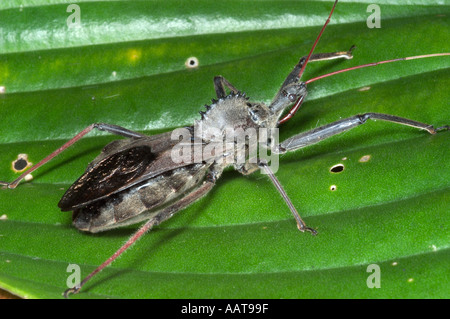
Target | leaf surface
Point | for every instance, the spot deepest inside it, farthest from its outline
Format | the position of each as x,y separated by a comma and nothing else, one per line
125,65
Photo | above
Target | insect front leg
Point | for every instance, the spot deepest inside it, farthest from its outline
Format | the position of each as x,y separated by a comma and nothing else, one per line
220,85
114,129
292,89
318,134
300,223
293,76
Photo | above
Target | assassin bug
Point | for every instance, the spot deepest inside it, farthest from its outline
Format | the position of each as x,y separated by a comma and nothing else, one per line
140,173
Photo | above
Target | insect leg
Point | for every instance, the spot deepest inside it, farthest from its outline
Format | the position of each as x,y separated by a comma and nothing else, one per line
300,223
318,134
114,129
159,218
293,90
329,56
118,130
293,76
219,85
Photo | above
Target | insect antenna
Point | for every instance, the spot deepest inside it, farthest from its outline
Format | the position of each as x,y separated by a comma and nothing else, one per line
299,102
375,64
317,40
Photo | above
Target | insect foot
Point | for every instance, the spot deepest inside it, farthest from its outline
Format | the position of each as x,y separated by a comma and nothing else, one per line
443,128
6,185
70,291
304,228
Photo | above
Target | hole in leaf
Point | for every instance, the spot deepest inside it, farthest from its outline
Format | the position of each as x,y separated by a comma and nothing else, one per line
21,163
337,168
191,62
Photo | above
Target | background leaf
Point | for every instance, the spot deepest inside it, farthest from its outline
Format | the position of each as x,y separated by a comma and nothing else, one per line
126,66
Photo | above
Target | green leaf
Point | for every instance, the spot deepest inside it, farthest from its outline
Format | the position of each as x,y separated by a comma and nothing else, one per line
125,65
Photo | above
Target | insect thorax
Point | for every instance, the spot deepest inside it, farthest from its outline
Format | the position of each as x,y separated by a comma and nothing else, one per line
232,113
232,130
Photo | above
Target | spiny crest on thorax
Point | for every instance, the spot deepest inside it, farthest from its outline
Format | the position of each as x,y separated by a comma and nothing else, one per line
231,112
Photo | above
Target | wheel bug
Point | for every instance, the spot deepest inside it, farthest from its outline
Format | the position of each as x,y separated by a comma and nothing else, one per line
290,91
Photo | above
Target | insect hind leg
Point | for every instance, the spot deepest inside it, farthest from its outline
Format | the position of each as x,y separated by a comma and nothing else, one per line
166,213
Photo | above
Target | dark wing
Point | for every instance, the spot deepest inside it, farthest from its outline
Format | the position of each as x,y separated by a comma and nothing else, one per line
107,176
121,164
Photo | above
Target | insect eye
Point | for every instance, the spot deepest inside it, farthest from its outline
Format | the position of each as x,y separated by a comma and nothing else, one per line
292,97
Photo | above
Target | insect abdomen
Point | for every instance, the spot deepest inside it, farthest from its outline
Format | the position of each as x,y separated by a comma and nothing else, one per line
140,202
